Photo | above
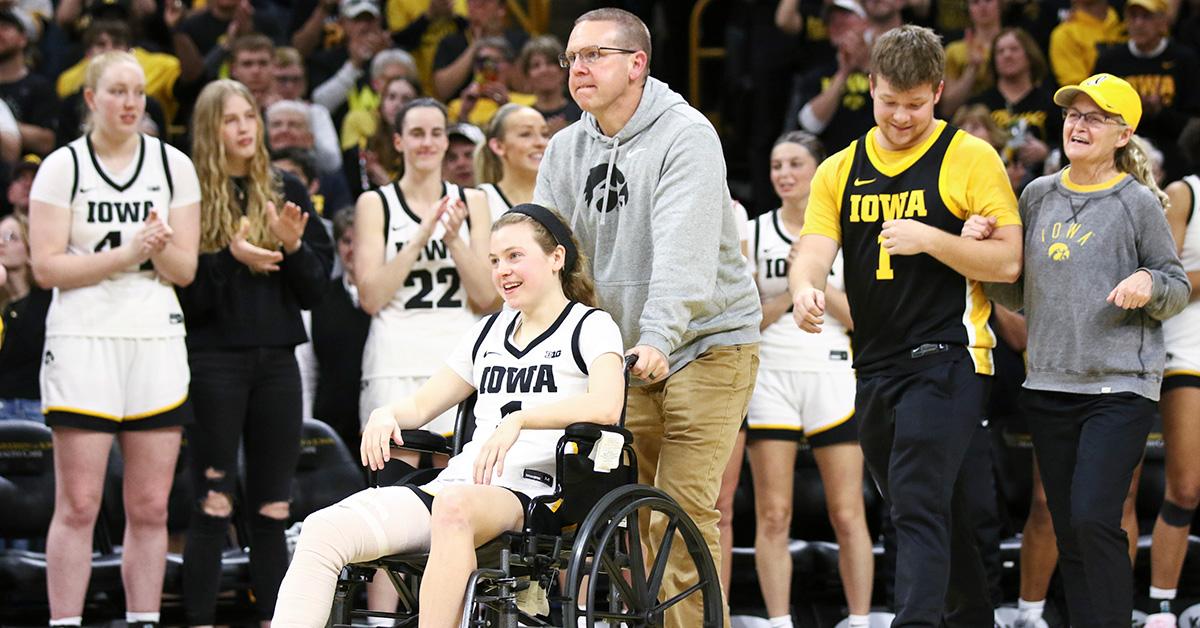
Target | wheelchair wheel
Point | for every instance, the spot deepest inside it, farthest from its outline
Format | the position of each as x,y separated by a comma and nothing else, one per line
624,582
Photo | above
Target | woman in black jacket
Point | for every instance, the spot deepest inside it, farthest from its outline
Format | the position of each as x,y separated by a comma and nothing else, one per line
263,257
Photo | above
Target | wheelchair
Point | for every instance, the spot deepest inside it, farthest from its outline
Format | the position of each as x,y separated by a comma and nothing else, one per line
599,550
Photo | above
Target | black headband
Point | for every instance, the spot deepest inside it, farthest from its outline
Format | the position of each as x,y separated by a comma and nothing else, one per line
557,229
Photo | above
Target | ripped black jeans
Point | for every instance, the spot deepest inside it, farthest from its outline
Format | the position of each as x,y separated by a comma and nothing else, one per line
249,397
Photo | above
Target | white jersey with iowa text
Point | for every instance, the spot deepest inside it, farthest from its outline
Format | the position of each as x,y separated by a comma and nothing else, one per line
550,368
497,201
415,332
785,347
1181,333
107,210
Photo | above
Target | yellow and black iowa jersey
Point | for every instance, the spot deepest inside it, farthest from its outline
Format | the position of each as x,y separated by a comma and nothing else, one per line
902,302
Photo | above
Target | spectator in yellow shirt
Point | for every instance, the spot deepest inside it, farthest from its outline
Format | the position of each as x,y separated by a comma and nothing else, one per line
967,59
162,70
497,80
1074,44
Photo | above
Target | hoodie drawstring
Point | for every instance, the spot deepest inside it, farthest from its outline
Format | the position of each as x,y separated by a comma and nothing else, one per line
612,162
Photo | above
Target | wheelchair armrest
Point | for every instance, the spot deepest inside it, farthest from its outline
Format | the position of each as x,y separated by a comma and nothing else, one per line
591,432
422,440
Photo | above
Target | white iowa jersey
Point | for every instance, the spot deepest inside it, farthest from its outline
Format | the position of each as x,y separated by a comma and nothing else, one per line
415,332
108,210
1181,333
550,368
784,345
498,203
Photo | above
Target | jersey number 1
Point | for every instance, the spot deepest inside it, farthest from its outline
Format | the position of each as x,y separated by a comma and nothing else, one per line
884,271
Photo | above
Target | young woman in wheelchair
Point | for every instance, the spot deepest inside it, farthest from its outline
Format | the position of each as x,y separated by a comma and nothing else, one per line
546,361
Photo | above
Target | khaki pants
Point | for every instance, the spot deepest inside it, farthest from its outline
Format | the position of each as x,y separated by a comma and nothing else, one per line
684,429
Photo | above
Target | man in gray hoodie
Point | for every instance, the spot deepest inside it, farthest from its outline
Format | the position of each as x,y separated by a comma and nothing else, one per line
641,180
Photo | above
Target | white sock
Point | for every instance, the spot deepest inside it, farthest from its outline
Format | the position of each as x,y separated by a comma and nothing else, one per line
860,621
1031,610
1162,594
783,621
139,618
67,621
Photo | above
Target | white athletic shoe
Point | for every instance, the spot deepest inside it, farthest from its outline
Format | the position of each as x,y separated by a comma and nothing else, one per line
1161,620
1025,621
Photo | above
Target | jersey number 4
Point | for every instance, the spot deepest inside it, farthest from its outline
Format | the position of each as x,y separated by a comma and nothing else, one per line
112,240
421,300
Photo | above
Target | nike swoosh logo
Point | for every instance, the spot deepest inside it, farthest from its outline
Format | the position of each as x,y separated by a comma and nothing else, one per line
487,353
634,152
858,182
85,190
396,228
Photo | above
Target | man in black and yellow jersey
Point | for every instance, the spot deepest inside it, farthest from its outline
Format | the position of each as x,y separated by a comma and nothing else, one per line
895,201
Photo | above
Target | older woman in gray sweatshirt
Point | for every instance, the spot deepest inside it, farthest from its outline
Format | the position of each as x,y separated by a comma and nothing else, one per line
1101,274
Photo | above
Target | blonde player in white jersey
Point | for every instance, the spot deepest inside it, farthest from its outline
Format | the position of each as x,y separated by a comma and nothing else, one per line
114,225
421,264
563,357
1180,403
805,391
506,163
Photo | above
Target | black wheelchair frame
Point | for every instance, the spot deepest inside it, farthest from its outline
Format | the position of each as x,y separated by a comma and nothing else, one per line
601,550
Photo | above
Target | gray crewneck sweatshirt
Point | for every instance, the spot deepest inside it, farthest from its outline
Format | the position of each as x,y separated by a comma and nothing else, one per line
652,211
1080,242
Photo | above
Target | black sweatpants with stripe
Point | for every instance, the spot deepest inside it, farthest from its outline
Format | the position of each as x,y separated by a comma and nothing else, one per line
915,428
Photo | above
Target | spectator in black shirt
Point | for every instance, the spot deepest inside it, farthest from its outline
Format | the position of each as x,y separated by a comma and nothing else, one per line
314,25
30,96
547,80
1163,72
17,194
220,21
23,307
336,71
339,332
454,61
288,126
1022,100
264,256
837,97
100,37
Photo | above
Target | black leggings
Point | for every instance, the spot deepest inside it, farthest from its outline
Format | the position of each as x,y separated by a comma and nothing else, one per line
1087,447
249,397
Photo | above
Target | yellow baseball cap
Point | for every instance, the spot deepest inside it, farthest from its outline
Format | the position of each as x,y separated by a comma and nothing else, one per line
1153,6
1110,93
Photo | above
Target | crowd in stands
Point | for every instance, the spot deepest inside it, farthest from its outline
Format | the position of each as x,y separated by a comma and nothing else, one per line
443,108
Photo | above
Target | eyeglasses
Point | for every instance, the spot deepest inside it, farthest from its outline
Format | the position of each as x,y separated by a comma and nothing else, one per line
590,55
1091,118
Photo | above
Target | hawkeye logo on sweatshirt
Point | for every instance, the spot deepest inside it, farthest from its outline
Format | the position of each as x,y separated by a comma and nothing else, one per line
606,195
1058,238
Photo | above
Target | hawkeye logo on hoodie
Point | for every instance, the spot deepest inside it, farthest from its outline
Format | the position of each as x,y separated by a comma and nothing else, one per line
606,196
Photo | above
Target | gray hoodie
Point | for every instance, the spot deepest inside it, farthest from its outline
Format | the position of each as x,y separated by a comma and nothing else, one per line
653,212
1078,247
